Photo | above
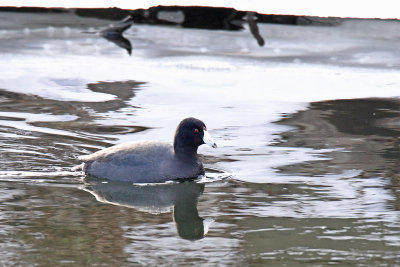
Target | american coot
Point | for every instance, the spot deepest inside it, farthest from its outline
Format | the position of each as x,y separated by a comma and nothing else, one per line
152,161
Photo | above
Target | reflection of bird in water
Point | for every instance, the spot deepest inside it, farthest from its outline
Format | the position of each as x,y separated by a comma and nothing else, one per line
114,34
156,198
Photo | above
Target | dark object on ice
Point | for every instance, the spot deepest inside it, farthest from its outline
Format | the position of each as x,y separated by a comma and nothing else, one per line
152,161
114,34
254,28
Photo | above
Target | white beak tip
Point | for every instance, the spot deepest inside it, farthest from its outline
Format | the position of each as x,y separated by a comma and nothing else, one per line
207,139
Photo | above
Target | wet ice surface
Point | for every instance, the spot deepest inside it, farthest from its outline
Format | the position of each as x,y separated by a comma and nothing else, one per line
311,180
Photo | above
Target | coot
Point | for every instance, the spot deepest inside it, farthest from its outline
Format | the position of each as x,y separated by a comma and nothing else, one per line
152,161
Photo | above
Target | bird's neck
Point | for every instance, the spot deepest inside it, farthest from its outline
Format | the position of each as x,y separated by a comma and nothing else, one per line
184,152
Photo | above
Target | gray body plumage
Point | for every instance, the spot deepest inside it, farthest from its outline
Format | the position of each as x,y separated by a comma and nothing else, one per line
141,162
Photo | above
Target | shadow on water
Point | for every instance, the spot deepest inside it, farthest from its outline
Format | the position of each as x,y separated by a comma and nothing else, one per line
156,198
358,134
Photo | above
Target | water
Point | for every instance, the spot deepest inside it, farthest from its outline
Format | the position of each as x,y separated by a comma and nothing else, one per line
306,172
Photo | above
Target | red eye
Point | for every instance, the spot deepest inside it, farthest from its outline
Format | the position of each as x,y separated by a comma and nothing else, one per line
196,130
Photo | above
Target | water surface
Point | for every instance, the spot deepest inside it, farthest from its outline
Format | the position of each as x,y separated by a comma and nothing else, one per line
306,172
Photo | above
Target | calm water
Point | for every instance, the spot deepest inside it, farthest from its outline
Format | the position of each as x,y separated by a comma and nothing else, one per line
299,178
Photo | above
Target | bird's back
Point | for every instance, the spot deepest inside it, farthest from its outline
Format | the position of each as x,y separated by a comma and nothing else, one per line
148,161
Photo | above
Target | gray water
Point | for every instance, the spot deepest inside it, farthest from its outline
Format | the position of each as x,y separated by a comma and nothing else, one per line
306,172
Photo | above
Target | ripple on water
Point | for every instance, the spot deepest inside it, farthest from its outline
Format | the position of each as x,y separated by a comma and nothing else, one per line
293,181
